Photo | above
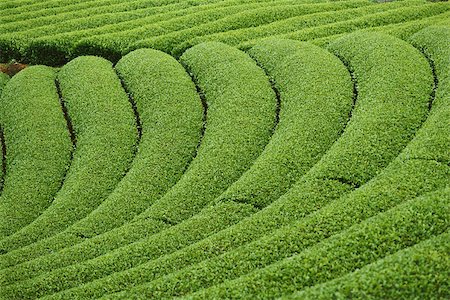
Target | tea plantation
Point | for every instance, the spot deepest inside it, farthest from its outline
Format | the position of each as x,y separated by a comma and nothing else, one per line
224,149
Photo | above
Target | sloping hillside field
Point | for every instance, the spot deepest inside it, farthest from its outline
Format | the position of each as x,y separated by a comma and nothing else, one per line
224,149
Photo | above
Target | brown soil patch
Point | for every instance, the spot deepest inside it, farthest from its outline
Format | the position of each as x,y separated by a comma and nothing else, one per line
12,68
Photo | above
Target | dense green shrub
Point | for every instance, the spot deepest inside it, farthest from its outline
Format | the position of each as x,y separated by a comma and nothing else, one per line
378,195
401,227
58,38
419,271
109,40
251,18
394,16
3,80
336,173
241,115
38,147
105,129
306,111
235,37
170,113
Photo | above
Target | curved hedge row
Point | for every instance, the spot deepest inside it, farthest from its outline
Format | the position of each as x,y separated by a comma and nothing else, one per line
118,35
402,179
106,134
41,7
401,227
307,110
246,19
38,147
434,144
241,113
235,37
171,118
28,42
378,124
402,30
292,239
419,271
394,16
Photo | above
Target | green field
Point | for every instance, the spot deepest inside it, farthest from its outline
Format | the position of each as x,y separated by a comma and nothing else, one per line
224,149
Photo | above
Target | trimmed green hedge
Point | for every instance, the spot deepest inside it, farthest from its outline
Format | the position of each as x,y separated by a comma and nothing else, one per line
339,171
306,111
401,227
33,6
421,271
407,29
241,115
397,16
235,37
105,129
110,40
400,181
251,18
38,147
335,174
403,30
59,38
171,113
433,41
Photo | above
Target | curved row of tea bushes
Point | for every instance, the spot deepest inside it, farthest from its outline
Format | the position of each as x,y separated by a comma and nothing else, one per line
29,44
420,271
292,239
380,194
105,128
120,40
235,37
35,44
400,30
250,18
171,116
25,6
307,110
63,46
128,15
265,109
66,22
44,12
339,171
394,230
38,147
119,20
408,176
241,115
293,148
405,30
400,15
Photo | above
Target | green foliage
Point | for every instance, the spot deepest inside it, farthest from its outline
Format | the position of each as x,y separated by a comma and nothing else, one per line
394,16
420,271
247,19
38,147
105,130
282,159
239,124
401,227
288,171
304,197
235,37
50,35
170,113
